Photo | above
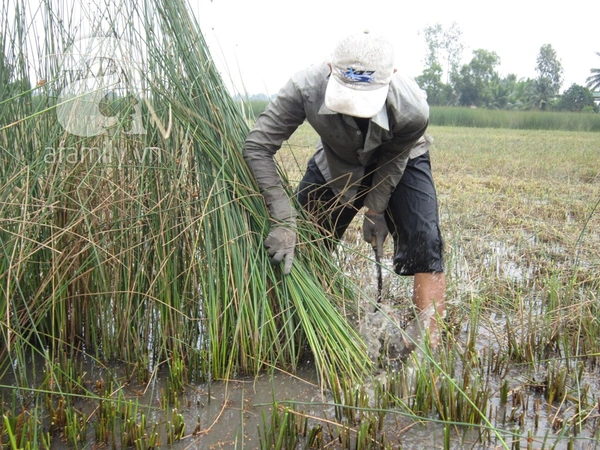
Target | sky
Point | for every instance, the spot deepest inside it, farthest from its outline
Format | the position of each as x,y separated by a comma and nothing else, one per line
259,44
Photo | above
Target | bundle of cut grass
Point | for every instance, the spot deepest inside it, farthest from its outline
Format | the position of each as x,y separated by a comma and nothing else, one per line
132,229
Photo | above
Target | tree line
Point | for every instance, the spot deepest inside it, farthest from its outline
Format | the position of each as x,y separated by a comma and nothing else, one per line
478,84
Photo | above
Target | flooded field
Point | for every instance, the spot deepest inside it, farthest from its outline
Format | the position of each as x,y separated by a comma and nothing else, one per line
518,367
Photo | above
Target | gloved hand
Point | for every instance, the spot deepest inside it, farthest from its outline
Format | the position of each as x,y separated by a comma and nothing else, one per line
280,246
374,225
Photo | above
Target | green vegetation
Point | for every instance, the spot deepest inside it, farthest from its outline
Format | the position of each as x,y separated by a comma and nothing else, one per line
516,120
497,118
478,84
254,107
593,81
146,246
134,235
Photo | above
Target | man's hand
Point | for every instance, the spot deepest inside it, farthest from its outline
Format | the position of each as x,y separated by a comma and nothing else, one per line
280,246
374,226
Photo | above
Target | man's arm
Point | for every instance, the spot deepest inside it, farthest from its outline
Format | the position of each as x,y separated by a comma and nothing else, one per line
276,124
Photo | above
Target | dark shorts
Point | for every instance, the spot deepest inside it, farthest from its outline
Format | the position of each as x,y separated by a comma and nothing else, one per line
412,214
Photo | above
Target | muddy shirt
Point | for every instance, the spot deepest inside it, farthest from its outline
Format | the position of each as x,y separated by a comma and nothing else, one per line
392,136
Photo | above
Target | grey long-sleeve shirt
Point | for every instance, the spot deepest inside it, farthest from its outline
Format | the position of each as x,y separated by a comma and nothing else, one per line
394,135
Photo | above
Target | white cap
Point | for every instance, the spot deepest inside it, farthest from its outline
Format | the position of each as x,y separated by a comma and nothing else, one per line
362,66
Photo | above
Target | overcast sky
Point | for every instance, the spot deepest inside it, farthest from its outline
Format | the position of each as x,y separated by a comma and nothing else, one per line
263,42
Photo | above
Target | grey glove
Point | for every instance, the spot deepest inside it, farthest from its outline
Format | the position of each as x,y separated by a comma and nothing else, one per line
280,246
375,231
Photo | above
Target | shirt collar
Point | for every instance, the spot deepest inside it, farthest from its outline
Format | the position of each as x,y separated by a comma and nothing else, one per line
381,118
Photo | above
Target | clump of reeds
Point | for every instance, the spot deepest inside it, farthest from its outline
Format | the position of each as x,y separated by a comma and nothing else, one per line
142,242
146,247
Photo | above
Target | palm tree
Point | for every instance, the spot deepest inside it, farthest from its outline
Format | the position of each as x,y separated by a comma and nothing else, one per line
540,94
593,81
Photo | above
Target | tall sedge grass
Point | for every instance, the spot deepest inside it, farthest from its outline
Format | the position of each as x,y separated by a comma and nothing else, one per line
147,248
451,116
517,120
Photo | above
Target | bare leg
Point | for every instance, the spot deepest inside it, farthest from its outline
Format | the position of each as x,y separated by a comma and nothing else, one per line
430,290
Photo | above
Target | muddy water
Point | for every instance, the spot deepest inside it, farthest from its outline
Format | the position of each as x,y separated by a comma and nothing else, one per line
222,414
231,414
227,415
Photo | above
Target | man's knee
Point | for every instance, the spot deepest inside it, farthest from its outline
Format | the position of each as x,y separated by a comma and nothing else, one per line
422,252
